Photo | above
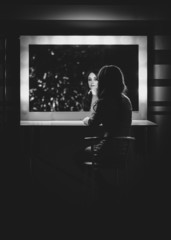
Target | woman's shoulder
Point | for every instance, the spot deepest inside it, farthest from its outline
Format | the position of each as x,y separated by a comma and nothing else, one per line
87,96
126,99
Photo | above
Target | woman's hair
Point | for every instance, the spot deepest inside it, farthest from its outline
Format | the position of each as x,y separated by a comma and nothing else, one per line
86,102
91,70
95,71
111,81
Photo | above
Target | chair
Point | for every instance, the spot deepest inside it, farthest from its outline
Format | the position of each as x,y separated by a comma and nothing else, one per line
115,159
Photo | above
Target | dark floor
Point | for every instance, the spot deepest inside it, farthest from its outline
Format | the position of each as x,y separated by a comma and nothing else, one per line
27,199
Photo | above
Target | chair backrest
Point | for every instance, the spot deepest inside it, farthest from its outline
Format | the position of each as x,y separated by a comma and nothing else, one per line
116,153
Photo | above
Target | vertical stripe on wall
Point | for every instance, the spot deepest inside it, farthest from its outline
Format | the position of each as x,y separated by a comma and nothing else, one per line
2,66
160,91
160,86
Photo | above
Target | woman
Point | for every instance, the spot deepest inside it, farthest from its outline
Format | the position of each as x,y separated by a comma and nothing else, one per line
91,95
113,109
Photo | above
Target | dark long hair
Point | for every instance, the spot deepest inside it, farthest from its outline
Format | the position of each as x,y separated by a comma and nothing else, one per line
86,103
95,71
111,82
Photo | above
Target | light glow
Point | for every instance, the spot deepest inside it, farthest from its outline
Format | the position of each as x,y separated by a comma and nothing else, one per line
25,41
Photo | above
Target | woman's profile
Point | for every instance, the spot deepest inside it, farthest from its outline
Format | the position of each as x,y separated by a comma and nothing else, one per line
113,108
91,94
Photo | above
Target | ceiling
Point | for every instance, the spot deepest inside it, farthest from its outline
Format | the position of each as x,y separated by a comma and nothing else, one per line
80,2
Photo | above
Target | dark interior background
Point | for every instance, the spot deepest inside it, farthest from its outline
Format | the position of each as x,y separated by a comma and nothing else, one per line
57,181
58,73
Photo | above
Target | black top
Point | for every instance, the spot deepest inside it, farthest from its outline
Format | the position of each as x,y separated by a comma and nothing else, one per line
115,114
86,105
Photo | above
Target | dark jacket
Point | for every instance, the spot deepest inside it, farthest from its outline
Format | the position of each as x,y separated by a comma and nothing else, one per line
114,114
86,104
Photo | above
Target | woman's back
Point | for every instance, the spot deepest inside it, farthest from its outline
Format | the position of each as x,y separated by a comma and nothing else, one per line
117,116
113,108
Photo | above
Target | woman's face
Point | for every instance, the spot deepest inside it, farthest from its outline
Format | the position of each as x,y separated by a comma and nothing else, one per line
92,81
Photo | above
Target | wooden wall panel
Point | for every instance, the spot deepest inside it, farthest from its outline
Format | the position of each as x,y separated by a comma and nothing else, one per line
162,71
160,91
162,42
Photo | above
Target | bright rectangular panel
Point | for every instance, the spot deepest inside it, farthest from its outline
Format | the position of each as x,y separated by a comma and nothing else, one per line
160,94
65,42
162,71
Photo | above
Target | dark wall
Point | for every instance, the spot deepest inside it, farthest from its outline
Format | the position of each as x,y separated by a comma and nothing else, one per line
53,148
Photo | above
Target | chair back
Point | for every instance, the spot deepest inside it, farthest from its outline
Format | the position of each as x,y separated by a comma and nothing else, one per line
115,154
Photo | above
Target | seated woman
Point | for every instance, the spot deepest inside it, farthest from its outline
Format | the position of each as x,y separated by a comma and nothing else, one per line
91,94
113,108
